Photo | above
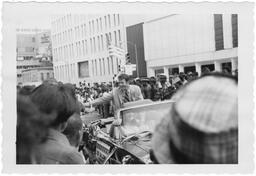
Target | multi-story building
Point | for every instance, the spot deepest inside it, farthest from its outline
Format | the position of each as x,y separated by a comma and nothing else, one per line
35,76
80,47
189,42
33,50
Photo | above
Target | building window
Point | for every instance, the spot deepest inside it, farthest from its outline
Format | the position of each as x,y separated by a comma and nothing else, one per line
108,65
159,71
102,45
97,21
110,37
100,24
109,21
94,45
98,43
105,21
234,30
119,37
91,45
118,19
96,69
103,66
93,67
100,67
83,53
115,38
107,41
90,28
112,65
83,69
86,47
93,27
42,76
85,30
114,17
218,28
48,75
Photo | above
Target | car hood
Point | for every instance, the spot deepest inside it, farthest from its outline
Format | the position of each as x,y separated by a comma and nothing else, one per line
139,145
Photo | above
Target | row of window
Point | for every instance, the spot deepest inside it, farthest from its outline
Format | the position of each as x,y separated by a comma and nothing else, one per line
81,31
34,77
27,67
100,67
84,47
218,30
65,73
104,66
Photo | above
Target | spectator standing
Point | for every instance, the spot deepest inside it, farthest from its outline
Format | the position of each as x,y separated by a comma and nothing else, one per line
59,102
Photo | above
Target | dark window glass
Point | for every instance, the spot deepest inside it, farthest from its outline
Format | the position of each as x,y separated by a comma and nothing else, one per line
218,29
234,30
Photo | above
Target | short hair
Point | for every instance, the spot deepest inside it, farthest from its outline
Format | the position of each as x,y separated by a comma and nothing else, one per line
55,98
74,125
26,90
123,76
32,129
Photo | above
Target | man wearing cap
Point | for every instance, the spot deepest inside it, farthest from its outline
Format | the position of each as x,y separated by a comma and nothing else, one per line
202,125
119,95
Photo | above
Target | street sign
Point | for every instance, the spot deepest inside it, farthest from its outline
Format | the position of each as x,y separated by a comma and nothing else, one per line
116,51
130,68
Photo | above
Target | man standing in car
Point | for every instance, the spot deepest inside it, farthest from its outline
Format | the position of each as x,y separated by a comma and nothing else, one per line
122,94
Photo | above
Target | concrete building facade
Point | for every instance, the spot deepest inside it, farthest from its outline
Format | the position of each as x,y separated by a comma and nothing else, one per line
33,49
183,43
80,47
35,76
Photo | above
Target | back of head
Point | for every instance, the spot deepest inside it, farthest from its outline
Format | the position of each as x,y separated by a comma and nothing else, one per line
74,129
124,76
202,126
56,100
26,90
31,129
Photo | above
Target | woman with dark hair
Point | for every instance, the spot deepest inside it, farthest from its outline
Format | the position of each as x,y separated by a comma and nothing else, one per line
58,101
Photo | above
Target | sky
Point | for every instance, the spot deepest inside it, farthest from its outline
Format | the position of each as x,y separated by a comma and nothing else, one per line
39,15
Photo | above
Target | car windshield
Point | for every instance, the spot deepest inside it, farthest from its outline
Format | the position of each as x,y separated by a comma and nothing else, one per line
140,119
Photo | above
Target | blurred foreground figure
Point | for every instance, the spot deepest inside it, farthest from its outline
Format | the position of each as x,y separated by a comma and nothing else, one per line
59,102
202,126
31,130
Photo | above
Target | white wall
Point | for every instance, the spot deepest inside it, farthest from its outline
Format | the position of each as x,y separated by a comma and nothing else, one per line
178,35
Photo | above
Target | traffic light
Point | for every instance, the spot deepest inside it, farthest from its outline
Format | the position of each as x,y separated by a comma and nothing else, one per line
127,59
119,68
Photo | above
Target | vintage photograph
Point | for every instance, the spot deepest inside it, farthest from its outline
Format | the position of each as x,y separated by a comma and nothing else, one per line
162,90
110,88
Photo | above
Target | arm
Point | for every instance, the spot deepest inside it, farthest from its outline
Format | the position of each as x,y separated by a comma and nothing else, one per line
139,95
102,100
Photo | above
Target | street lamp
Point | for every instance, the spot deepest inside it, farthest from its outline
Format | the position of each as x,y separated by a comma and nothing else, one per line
136,57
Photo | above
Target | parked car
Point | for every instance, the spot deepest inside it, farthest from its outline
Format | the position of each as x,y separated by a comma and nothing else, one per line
124,139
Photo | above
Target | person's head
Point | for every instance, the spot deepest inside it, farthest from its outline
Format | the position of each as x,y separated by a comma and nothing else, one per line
226,70
32,129
205,70
208,135
123,81
73,130
26,90
57,101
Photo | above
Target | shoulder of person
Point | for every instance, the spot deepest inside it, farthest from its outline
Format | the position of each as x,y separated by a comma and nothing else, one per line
73,156
134,87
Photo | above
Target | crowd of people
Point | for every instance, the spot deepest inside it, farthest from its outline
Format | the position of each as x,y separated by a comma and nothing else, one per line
49,126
